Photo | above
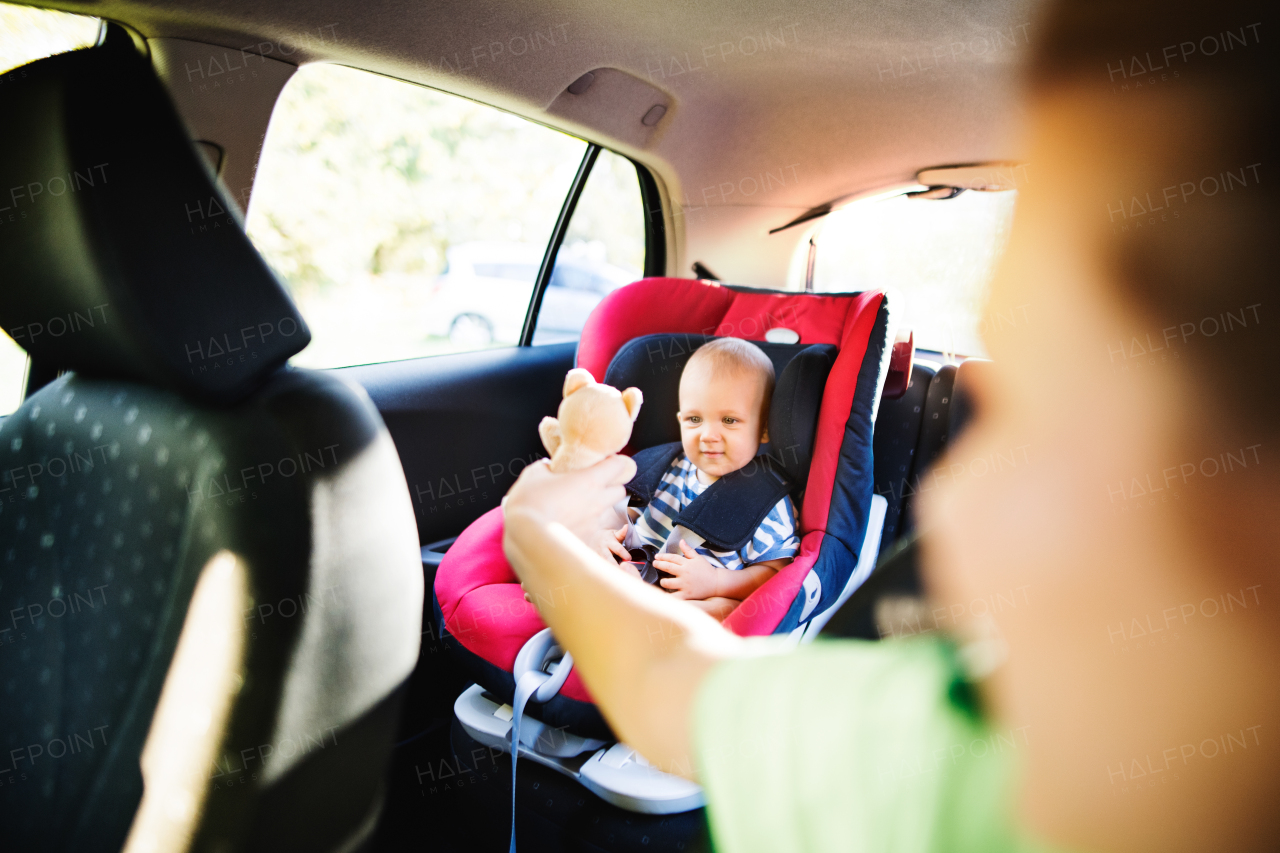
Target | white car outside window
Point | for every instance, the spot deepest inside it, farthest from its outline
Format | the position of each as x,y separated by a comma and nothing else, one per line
482,296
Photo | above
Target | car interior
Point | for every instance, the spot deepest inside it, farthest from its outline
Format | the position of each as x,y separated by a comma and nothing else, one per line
268,665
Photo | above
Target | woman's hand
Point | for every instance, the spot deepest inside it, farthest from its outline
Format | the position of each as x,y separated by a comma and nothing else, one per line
645,687
609,543
576,500
695,577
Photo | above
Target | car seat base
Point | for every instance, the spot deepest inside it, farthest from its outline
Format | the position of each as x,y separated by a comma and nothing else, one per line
615,773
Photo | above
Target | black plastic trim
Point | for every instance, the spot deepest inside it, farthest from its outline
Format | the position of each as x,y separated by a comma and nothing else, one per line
702,271
812,213
655,226
557,238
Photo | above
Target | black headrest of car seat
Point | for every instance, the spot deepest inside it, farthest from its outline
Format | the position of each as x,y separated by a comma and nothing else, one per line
793,417
122,256
653,364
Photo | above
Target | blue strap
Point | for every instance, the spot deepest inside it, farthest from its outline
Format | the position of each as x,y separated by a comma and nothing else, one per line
732,508
651,464
532,682
525,687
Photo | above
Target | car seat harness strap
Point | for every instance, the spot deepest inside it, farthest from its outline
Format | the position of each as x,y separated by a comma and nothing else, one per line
533,681
732,508
651,464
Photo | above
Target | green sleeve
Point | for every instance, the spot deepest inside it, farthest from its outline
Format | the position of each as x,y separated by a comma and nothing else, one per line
852,746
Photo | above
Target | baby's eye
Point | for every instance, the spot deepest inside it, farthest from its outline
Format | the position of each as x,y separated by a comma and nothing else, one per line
730,421
693,419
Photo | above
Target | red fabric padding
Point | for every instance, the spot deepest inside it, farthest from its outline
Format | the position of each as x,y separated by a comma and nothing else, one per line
817,319
483,604
763,609
842,384
649,306
653,306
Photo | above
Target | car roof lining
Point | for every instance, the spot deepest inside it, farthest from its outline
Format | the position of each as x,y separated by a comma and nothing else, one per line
769,104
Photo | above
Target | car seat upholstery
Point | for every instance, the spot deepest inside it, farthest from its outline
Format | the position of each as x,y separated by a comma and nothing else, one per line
936,408
180,488
897,434
912,433
642,334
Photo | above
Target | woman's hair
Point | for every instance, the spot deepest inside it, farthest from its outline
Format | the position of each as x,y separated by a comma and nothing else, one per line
1206,277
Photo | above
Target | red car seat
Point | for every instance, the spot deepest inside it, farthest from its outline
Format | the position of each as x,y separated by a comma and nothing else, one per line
641,335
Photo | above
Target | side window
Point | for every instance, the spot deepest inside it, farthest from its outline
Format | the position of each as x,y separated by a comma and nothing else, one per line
26,35
603,249
405,222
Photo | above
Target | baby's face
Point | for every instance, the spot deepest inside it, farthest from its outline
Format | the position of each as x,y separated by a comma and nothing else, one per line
720,419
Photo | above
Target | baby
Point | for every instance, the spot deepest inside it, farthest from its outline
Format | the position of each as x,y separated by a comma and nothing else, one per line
724,408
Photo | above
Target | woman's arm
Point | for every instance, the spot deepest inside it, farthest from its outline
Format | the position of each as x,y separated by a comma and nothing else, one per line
642,654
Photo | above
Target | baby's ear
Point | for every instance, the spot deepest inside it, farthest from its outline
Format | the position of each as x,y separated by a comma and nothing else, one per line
632,399
764,436
577,378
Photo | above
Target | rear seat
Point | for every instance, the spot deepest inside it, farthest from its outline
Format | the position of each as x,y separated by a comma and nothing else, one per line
911,432
897,436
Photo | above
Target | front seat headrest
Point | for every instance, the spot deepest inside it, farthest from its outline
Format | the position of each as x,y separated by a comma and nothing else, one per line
123,257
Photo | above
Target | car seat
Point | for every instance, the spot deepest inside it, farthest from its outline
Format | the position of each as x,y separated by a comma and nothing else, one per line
207,557
834,354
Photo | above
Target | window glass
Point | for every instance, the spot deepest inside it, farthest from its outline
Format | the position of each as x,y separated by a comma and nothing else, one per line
13,371
26,35
940,254
603,249
405,222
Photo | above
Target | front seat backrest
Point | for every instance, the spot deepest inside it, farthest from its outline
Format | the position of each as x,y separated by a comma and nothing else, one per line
179,488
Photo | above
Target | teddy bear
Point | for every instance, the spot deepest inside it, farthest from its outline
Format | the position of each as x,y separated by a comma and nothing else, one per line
594,422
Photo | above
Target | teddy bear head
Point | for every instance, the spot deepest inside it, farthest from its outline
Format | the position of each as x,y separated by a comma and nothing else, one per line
594,422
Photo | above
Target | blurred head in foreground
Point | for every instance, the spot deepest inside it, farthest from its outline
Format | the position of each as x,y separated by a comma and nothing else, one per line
1131,327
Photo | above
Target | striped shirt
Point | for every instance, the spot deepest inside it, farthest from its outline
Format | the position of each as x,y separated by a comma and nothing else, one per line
774,539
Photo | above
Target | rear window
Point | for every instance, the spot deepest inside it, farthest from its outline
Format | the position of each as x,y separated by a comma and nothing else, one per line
939,254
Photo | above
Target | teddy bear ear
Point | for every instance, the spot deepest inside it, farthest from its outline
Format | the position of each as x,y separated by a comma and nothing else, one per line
549,432
577,378
632,398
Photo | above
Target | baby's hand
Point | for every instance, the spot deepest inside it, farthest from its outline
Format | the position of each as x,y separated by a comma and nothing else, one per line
694,576
608,543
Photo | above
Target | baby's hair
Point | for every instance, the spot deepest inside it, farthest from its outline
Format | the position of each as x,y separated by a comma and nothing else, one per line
734,355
